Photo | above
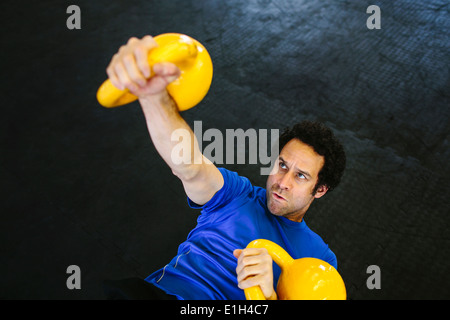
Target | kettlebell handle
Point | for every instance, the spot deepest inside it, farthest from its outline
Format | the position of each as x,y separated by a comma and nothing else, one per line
278,254
182,52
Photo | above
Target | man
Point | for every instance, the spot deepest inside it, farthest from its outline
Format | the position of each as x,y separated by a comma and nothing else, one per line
211,263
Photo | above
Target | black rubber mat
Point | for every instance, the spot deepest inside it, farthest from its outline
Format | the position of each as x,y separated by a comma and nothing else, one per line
83,185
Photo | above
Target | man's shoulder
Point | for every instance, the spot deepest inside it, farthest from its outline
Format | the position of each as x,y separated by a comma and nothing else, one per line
236,182
319,248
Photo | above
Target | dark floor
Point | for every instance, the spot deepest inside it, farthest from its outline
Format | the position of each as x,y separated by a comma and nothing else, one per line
83,185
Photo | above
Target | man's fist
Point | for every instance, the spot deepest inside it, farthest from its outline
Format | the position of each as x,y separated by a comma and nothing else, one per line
129,68
254,268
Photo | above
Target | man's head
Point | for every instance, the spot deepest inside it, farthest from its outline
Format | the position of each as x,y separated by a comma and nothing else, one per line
310,164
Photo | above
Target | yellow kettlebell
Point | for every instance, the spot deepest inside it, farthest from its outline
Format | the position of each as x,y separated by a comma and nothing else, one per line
300,279
189,55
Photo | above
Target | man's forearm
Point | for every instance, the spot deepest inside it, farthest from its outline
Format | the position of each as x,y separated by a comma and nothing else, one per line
163,118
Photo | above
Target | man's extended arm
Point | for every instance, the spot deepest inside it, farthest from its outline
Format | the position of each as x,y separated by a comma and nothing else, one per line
129,69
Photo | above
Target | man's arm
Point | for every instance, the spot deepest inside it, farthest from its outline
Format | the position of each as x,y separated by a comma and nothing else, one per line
201,179
129,69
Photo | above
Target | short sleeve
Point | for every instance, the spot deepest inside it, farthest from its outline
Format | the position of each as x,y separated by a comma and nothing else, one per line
330,257
234,187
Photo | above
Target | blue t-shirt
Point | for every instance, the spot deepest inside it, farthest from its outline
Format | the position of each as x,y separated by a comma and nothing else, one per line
237,214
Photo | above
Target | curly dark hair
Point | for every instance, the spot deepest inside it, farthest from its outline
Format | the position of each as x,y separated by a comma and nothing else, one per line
323,141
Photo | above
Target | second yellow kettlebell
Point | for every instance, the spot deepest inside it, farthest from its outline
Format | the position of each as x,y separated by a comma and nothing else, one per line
188,90
300,279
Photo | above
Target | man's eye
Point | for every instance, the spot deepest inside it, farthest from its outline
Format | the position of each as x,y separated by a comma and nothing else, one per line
282,165
301,176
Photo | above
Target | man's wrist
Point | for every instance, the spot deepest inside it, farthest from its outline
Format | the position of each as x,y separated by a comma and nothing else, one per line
160,100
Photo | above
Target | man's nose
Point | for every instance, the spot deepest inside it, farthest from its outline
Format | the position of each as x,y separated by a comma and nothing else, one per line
285,182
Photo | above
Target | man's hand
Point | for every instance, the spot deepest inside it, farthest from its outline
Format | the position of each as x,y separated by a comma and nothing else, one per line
254,268
129,68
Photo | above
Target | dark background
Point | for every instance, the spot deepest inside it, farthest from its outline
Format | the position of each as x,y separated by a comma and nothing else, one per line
83,185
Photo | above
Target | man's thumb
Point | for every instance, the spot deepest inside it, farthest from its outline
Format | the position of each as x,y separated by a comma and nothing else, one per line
237,253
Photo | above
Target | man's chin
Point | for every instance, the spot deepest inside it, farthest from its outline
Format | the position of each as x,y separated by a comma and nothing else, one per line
280,212
275,210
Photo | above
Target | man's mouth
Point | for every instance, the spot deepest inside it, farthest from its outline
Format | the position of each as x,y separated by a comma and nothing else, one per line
277,196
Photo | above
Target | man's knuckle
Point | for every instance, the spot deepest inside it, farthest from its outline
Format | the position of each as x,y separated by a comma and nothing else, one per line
133,40
128,58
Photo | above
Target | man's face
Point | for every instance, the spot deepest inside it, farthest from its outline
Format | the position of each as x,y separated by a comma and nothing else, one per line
291,183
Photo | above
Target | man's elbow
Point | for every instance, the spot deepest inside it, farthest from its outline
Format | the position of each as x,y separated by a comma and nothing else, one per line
186,173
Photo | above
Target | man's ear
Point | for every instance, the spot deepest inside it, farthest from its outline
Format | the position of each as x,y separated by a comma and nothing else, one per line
321,191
